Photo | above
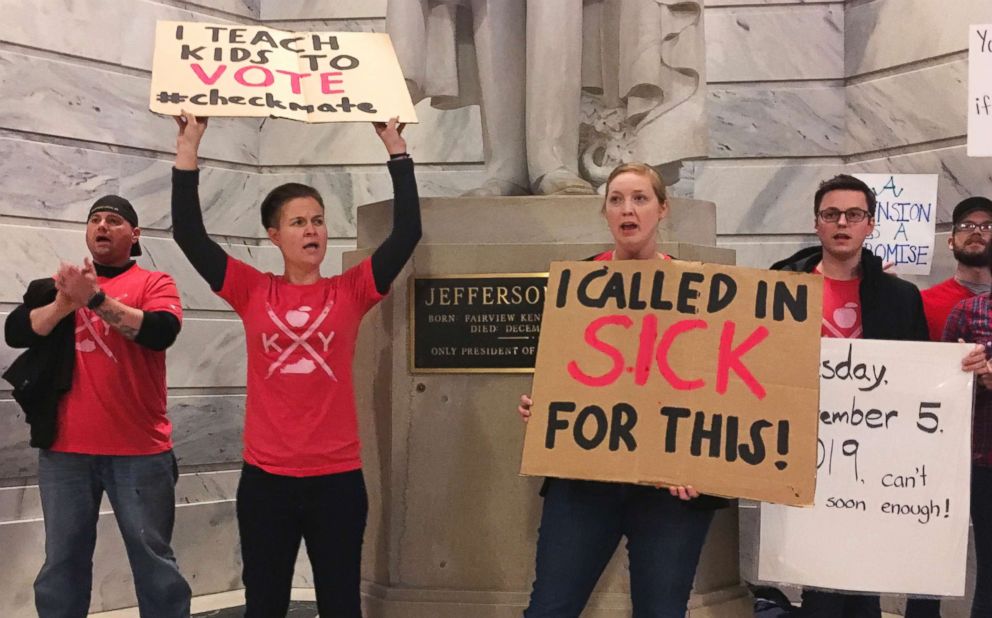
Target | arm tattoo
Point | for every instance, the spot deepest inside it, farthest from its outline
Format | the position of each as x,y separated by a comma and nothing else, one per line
116,320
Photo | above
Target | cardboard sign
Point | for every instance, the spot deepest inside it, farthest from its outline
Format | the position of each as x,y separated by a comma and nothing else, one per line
905,220
679,373
892,489
980,91
228,70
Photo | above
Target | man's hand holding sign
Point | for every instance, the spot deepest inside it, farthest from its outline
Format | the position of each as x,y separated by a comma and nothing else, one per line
681,374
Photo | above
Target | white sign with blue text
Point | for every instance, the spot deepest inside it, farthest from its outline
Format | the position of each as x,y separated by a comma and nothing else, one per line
905,220
893,475
980,91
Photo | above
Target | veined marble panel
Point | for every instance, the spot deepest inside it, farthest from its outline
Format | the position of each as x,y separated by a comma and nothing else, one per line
451,136
17,460
746,43
33,252
961,176
772,198
786,121
139,36
73,29
888,33
115,31
374,24
7,355
71,178
777,198
208,352
908,108
83,102
206,429
74,177
318,9
246,8
229,198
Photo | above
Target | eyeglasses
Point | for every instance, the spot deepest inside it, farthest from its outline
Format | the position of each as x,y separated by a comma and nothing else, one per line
971,226
853,215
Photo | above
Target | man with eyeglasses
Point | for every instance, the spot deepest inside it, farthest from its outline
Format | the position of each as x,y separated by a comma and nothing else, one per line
971,233
860,300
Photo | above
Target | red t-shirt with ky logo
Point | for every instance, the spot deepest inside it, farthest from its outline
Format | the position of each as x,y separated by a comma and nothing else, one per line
841,308
116,405
300,414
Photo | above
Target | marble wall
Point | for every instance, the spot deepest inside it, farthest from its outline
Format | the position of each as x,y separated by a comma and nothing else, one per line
799,90
74,125
856,86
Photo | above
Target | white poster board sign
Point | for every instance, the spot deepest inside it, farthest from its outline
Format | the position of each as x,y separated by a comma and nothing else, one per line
257,71
980,91
905,220
893,478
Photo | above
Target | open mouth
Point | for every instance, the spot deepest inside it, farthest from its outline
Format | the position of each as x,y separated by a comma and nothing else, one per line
842,237
628,226
311,246
101,238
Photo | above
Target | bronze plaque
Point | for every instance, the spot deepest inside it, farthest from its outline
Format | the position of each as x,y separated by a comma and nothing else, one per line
486,323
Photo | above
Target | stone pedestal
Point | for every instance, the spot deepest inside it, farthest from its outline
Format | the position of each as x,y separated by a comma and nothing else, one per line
452,526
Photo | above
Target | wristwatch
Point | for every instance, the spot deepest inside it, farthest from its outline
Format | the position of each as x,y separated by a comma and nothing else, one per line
96,300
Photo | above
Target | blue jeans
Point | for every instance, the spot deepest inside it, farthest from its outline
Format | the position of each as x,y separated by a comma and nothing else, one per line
142,492
581,526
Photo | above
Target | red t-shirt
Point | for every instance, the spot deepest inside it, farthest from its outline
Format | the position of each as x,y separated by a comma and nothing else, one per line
938,302
116,405
841,308
608,255
300,415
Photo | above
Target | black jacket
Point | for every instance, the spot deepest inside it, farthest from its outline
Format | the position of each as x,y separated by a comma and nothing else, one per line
42,374
890,307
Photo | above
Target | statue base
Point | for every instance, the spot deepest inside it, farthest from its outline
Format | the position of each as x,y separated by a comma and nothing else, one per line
452,526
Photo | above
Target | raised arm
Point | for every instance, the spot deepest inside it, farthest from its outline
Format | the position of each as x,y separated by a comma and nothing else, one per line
188,230
396,249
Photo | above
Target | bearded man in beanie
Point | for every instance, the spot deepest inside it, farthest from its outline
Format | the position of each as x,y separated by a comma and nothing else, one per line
93,388
971,234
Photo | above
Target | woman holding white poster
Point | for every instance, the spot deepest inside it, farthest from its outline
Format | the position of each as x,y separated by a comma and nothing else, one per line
302,474
582,522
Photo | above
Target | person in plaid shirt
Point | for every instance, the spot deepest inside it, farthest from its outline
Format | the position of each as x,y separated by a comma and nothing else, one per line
971,321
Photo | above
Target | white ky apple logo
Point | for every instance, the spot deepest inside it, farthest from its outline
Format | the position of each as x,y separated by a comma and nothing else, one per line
86,345
298,317
846,316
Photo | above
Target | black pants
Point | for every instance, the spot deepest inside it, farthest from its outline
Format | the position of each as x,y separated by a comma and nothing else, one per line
981,525
275,512
820,604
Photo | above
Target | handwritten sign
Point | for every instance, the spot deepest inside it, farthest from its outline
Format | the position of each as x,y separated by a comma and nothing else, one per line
892,487
905,220
980,91
226,70
678,373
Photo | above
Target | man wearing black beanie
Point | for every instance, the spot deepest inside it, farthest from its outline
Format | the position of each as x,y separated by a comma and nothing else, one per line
971,234
92,386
